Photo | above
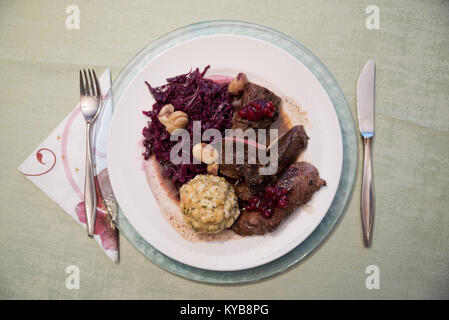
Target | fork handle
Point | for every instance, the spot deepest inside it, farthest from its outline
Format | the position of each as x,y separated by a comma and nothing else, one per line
90,194
367,203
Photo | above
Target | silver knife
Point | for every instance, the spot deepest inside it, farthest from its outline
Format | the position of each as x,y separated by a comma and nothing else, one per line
365,111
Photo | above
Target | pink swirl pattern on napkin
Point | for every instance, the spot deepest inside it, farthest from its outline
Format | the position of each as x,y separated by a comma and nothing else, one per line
39,158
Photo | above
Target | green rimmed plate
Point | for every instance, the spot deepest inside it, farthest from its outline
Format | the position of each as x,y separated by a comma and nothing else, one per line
348,137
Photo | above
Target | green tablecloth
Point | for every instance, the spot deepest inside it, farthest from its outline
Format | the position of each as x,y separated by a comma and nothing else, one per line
39,63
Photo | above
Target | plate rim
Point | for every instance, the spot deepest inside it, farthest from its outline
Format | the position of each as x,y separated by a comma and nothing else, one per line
222,27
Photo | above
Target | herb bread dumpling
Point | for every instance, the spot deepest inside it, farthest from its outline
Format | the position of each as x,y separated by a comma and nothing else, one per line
209,204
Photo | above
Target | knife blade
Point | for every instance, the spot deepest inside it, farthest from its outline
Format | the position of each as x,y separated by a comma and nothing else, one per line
365,112
365,100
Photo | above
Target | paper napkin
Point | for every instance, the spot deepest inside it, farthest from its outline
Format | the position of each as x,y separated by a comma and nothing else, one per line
56,166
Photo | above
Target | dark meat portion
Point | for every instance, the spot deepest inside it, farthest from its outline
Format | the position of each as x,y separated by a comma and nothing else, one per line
250,93
229,171
242,191
290,145
301,180
234,170
254,92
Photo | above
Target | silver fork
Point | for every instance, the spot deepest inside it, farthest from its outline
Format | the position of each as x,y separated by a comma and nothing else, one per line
90,100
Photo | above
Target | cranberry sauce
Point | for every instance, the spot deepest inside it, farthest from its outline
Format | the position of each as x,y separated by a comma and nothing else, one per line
274,197
257,110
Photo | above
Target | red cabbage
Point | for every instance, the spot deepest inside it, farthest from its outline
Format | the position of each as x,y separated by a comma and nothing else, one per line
201,99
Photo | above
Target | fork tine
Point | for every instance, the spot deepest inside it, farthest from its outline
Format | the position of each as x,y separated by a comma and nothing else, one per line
97,85
92,84
87,83
82,90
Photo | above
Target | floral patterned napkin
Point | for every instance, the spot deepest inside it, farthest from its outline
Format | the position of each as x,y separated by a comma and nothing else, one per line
56,166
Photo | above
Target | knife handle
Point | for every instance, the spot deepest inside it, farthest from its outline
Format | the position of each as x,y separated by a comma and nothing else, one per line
90,193
367,204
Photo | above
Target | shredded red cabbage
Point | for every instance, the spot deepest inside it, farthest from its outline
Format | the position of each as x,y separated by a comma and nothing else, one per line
201,99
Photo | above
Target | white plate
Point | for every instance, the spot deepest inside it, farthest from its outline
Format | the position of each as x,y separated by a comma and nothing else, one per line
264,64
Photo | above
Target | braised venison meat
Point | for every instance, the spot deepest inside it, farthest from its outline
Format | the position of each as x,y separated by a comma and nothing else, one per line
243,191
301,180
253,92
290,145
234,170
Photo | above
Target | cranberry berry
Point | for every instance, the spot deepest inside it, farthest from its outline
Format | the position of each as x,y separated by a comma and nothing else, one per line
273,197
257,110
